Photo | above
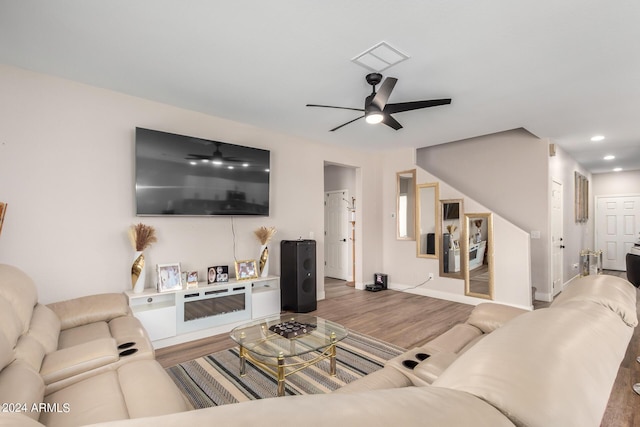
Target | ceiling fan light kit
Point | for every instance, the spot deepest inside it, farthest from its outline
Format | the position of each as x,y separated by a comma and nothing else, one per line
377,110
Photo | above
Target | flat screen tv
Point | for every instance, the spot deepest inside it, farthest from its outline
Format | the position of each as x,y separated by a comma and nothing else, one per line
183,175
451,211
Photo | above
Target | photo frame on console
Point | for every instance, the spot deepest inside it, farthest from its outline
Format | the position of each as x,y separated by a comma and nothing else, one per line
169,277
192,279
218,274
246,270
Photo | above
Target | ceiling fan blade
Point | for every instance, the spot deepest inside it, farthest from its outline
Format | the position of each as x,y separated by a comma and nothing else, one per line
344,124
391,122
331,106
197,157
414,105
381,98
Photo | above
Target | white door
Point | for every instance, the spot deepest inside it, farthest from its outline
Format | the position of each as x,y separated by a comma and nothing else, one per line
336,230
617,228
557,240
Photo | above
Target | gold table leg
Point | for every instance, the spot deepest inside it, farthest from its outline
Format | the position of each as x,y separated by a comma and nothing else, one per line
243,361
332,357
281,374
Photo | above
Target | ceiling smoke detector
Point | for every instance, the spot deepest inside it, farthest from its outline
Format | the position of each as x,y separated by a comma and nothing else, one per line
380,57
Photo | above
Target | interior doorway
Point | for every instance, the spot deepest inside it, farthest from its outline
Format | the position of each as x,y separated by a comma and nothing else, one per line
557,239
336,234
340,193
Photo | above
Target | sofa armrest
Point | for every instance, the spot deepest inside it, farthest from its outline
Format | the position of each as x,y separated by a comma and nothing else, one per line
72,361
490,316
90,309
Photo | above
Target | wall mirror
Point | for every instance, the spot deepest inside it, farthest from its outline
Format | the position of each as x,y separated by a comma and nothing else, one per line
478,238
406,204
428,220
451,264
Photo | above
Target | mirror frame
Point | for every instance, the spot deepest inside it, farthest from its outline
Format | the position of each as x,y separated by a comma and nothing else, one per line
411,210
436,213
459,274
468,217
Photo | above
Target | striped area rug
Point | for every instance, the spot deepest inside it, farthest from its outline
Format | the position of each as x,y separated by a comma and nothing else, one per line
215,380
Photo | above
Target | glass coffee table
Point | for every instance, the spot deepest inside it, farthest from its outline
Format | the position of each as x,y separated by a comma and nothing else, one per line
268,343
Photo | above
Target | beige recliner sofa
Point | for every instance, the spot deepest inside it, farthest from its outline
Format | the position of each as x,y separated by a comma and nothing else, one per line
550,367
76,362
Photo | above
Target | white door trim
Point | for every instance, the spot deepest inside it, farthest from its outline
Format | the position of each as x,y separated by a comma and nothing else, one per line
556,245
342,270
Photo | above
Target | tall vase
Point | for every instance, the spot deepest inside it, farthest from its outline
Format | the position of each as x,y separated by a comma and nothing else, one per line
264,261
138,272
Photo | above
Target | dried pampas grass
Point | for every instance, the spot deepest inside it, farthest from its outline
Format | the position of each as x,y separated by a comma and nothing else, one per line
264,234
142,236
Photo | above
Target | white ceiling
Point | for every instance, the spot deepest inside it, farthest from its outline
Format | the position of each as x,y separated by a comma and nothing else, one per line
564,70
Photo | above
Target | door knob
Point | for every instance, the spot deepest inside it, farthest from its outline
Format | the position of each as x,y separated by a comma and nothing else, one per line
561,246
344,240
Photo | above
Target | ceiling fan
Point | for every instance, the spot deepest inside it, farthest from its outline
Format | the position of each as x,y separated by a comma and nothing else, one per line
377,110
215,158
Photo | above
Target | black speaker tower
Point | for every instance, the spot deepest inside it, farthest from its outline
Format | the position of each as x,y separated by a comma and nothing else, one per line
298,275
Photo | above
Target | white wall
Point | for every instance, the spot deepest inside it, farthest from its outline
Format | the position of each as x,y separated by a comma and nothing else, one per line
405,270
506,171
67,174
614,183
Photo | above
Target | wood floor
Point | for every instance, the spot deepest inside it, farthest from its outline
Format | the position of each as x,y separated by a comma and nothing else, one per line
419,320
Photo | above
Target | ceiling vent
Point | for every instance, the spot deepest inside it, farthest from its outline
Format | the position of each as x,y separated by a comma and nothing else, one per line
380,57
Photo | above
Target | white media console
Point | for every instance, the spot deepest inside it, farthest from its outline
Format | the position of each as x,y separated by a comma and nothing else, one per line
186,314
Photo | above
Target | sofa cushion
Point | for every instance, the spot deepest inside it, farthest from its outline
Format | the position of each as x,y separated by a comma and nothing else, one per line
82,334
93,400
20,291
490,316
10,324
549,367
30,351
89,309
72,361
21,385
7,354
148,389
136,389
45,327
453,340
380,379
612,292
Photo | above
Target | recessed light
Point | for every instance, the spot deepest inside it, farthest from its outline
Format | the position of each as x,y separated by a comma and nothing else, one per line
230,167
193,163
609,157
617,169
597,138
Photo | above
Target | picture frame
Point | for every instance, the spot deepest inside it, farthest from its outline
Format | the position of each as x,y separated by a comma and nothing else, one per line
246,270
581,194
218,274
169,277
192,279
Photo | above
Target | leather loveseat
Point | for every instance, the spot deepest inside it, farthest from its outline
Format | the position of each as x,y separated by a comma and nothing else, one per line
76,362
549,367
